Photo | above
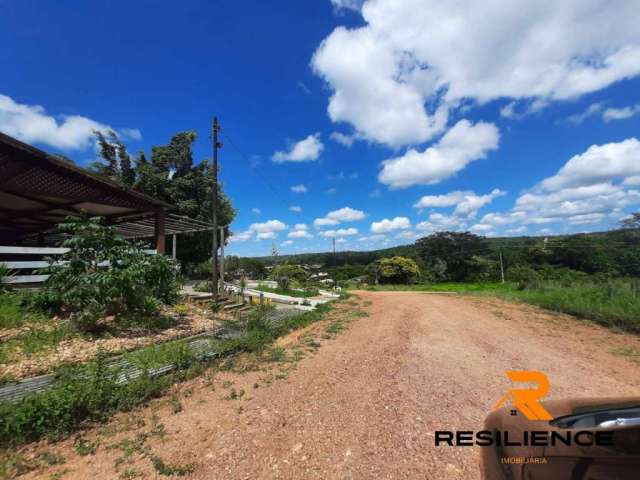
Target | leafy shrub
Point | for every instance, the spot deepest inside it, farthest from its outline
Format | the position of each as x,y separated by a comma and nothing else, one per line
394,270
5,272
103,274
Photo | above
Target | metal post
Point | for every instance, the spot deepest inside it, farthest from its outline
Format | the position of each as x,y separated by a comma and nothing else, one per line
175,245
214,207
222,258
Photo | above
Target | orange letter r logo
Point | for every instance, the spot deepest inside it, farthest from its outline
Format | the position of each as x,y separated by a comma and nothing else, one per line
527,399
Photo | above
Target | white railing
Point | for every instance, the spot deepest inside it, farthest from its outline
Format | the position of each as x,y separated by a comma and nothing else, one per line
18,265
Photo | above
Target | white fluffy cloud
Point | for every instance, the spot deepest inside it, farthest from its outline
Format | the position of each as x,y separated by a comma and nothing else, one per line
299,188
599,163
588,189
295,208
386,225
607,114
300,233
343,139
32,124
438,222
347,4
261,231
462,144
306,150
383,74
345,214
286,243
341,232
621,113
467,203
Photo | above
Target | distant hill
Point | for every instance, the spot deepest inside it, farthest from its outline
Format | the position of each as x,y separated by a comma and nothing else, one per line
614,241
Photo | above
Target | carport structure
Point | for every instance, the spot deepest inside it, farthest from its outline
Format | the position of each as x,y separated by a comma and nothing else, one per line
38,190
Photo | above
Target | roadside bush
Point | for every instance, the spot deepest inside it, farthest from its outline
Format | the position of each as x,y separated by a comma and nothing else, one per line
5,272
103,274
394,270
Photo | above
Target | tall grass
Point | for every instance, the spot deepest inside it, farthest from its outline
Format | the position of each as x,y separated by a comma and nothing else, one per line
613,303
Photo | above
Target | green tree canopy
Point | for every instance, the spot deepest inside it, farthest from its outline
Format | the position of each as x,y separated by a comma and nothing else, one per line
451,253
394,270
170,175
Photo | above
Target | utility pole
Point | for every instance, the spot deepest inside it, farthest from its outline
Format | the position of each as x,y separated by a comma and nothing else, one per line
222,258
214,205
501,266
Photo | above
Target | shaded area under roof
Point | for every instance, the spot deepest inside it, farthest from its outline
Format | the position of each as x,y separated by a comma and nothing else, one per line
38,190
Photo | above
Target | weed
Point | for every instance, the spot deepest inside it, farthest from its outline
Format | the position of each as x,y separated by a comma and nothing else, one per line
170,470
51,458
176,406
84,447
14,464
275,354
129,473
227,384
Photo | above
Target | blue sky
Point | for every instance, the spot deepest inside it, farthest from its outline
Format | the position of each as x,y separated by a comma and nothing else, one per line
398,118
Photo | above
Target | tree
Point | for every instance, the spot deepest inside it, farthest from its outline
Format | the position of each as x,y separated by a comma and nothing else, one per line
115,161
394,270
284,274
456,250
631,222
170,175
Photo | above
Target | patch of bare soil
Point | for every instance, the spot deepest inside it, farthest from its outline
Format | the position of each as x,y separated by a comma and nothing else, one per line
361,404
78,349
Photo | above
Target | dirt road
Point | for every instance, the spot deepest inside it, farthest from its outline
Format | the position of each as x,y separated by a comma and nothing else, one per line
366,403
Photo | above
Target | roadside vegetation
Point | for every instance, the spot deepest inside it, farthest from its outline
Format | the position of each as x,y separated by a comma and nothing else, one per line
92,392
594,276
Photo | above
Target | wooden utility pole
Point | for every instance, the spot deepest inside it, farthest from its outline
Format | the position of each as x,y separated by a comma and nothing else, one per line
214,205
222,258
501,266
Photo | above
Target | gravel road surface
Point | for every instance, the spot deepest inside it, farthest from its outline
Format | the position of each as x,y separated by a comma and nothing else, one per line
365,404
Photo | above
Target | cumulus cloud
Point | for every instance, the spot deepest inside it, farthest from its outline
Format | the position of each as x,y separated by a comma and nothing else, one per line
393,81
386,225
347,4
345,214
299,188
592,110
286,243
438,222
257,211
599,163
306,150
462,144
300,234
372,238
32,124
588,189
343,139
341,232
260,231
621,113
467,203
295,208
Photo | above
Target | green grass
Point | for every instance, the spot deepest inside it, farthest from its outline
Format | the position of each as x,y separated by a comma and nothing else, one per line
14,315
90,392
309,292
614,304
